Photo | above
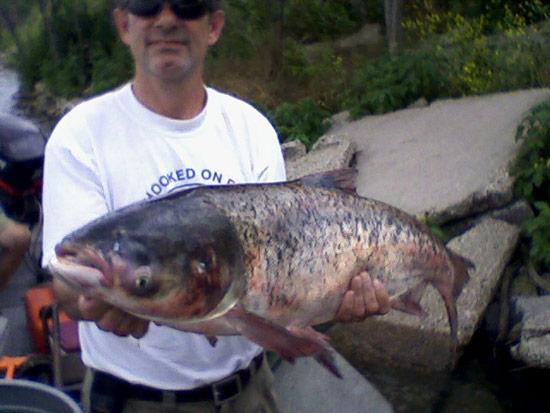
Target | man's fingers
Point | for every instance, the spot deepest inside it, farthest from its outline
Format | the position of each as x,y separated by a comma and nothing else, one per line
92,309
365,297
372,306
111,322
111,319
359,304
345,311
140,329
382,297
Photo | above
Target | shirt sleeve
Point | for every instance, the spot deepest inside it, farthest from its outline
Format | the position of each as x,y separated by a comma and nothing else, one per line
72,190
268,162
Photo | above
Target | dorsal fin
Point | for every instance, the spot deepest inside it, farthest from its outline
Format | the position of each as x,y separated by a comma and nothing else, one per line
343,179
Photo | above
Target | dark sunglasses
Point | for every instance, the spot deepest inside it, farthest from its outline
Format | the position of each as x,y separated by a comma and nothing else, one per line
184,9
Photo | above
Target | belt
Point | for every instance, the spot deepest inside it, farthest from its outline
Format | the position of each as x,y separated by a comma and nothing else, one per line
219,392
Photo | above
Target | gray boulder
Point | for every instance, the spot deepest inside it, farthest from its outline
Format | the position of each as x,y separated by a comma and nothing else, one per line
330,152
534,345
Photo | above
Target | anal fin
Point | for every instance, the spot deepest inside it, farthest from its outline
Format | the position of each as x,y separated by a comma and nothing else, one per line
409,302
288,343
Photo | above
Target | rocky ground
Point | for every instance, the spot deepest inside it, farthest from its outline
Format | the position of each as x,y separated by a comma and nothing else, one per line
447,162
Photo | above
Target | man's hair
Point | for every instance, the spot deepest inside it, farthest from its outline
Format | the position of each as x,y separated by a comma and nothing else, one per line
212,4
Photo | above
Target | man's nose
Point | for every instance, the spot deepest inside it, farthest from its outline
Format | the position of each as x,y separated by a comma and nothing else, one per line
166,15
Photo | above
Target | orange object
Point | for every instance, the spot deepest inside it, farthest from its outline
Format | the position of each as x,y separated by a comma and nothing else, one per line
8,365
36,300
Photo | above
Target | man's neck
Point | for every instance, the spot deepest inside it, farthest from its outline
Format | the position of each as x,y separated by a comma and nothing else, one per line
177,100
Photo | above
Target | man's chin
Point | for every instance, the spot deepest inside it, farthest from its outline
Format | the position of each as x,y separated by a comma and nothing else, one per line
172,69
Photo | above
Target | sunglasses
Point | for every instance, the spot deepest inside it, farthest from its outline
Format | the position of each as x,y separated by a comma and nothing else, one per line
184,9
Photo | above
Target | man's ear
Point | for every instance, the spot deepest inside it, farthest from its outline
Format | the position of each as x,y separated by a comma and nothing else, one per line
120,17
217,21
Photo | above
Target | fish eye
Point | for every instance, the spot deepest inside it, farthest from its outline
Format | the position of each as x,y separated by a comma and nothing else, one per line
143,283
201,267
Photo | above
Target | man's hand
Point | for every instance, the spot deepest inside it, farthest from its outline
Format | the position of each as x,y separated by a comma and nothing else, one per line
111,319
107,317
365,297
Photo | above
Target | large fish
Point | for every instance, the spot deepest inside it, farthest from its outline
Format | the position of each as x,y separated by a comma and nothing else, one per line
267,261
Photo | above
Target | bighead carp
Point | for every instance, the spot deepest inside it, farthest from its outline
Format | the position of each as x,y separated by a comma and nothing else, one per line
267,261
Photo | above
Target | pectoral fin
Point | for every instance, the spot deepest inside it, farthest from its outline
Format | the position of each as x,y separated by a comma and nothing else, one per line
288,343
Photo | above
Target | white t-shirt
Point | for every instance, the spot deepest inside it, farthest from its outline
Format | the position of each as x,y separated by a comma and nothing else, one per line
111,151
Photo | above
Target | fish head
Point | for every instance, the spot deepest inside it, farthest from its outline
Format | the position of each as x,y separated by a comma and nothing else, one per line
161,262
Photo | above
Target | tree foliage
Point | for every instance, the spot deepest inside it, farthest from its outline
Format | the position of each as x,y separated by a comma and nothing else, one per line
282,53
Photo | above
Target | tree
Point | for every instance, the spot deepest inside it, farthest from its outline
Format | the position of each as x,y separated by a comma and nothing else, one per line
46,9
9,15
393,13
279,46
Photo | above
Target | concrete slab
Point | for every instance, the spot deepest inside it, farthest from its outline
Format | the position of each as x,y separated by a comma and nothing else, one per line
306,387
534,346
447,160
332,152
293,150
424,344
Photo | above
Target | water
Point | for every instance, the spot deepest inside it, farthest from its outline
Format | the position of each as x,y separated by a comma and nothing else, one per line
9,86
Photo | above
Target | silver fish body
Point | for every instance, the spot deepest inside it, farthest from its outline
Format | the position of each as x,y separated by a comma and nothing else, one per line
263,260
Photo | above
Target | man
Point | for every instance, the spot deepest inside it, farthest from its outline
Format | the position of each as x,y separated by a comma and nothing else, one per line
164,131
21,155
15,239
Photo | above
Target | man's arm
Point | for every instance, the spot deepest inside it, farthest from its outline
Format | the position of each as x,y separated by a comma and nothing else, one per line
15,240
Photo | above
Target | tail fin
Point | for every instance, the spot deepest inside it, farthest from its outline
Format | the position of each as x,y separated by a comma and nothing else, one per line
461,267
450,293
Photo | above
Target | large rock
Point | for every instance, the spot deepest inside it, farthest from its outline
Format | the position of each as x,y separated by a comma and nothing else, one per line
424,344
534,346
330,152
447,160
306,387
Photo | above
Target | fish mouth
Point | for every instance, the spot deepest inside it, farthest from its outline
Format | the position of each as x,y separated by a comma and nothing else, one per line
83,267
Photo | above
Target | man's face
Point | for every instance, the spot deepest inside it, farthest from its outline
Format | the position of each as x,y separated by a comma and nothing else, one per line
167,47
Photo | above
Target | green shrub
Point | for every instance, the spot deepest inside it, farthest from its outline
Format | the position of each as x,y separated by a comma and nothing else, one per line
316,20
84,40
532,167
304,121
318,71
539,230
394,82
110,68
532,173
491,51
